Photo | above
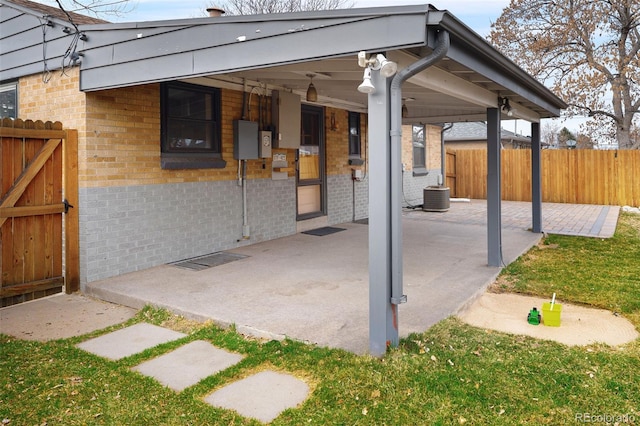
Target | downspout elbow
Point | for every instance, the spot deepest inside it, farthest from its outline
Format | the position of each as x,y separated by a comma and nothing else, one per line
441,49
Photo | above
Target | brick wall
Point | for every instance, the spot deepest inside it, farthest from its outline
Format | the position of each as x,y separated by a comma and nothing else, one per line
57,100
413,186
434,146
432,134
347,199
466,145
123,140
129,228
337,141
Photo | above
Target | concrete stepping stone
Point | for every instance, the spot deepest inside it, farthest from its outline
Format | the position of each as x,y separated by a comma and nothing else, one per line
262,396
128,341
188,364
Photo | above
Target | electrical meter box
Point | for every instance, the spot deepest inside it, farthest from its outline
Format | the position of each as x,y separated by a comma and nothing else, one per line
245,140
286,114
265,144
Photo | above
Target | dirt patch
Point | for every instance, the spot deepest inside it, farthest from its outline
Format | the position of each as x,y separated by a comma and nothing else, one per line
579,325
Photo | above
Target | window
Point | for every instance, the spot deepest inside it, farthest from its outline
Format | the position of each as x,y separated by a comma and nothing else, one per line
419,150
9,100
354,139
190,126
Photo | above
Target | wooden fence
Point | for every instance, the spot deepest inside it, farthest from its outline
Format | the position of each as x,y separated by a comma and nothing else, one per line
568,176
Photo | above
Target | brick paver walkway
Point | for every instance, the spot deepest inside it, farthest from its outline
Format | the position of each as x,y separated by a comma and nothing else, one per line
557,218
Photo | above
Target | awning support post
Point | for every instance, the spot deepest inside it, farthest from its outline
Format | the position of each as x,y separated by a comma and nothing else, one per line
494,193
381,311
536,179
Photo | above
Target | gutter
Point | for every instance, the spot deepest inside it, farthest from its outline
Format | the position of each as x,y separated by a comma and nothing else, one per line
439,52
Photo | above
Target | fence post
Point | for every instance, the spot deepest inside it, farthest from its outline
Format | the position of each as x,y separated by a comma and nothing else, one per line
72,246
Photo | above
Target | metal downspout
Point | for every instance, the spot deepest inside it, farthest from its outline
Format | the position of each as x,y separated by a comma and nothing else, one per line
441,49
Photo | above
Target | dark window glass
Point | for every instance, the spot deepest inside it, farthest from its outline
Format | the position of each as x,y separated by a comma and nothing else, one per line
354,134
9,100
419,147
190,119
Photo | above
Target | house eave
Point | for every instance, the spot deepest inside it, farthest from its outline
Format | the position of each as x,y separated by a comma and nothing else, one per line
138,53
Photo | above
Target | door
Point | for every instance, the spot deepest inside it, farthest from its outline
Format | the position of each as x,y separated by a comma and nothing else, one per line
310,177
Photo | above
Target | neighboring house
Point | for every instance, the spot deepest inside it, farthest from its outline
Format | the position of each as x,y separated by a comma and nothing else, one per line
473,135
196,135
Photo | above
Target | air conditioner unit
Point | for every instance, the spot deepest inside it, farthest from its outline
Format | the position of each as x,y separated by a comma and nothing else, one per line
436,199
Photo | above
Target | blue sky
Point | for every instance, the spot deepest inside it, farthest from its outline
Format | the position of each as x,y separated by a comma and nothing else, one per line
476,14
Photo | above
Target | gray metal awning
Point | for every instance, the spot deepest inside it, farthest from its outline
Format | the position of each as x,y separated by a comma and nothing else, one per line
282,50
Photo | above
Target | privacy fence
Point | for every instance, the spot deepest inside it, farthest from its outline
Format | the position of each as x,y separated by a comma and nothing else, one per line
568,176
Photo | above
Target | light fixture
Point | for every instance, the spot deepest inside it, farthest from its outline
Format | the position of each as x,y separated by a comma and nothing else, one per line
378,63
506,107
366,86
312,93
387,68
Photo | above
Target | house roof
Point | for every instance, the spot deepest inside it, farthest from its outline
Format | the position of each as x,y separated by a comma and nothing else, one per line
477,131
281,51
54,12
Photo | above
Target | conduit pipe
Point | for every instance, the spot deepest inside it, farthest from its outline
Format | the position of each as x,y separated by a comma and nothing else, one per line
441,49
443,156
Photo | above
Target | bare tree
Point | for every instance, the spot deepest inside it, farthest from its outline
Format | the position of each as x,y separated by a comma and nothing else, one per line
98,8
588,50
253,7
549,134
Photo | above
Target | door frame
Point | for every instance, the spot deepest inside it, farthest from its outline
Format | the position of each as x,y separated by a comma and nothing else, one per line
319,112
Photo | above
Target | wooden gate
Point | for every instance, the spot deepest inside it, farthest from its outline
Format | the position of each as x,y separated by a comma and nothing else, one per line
39,185
450,171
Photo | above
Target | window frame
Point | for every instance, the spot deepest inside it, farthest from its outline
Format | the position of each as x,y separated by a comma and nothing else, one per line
197,158
9,86
355,155
419,167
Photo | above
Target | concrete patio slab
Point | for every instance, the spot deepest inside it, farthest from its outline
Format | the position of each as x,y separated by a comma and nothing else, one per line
128,341
262,396
188,364
61,316
316,289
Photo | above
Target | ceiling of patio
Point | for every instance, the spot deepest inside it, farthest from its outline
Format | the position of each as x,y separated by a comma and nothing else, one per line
447,92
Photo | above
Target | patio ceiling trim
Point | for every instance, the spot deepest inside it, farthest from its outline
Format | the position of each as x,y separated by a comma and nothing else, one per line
447,83
477,54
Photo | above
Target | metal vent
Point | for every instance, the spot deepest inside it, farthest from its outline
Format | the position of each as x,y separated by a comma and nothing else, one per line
208,261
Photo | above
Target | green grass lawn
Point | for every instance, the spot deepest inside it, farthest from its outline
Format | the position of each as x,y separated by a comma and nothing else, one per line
451,374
